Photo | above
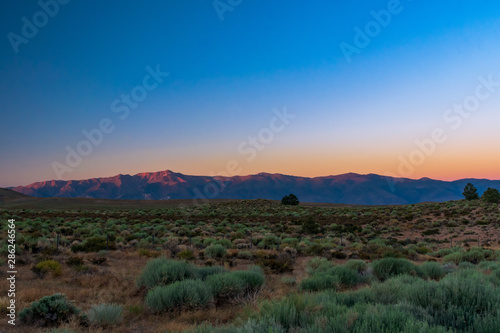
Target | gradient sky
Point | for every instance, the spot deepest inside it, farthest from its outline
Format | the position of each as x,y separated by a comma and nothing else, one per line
227,76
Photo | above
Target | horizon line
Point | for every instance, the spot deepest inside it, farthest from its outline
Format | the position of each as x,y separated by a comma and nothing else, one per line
247,175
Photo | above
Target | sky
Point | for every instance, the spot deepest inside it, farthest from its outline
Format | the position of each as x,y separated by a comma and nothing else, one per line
100,88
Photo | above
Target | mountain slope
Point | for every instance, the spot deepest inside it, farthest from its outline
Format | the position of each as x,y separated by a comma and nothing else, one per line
10,195
347,188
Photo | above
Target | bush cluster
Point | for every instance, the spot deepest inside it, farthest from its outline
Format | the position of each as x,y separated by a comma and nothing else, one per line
177,285
464,301
181,295
105,314
277,262
327,275
432,270
474,255
162,271
216,251
386,268
49,311
94,244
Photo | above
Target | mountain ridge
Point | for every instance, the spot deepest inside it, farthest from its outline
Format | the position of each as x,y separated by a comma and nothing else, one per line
348,188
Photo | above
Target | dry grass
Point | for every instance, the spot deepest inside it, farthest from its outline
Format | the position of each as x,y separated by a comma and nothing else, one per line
114,282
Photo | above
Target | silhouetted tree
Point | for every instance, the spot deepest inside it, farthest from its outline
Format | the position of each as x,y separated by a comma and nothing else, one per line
470,192
290,200
491,195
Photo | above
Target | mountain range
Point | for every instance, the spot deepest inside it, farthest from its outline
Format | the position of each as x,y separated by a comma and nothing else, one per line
347,188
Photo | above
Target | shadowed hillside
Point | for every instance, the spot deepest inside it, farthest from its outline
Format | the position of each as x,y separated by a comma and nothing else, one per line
7,195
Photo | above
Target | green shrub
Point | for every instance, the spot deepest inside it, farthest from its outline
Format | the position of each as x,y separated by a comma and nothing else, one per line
389,267
187,294
458,300
327,275
208,241
224,242
495,276
185,255
356,246
444,252
463,301
318,249
310,227
474,256
94,244
489,265
268,242
454,257
49,311
253,278
204,272
255,269
345,276
289,281
289,315
216,251
136,309
163,271
392,318
4,250
432,270
290,241
48,266
225,285
429,232
245,255
105,314
318,265
149,253
357,265
423,249
144,243
466,265
318,282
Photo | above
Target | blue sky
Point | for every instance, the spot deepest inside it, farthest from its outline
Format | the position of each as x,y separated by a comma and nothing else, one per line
227,76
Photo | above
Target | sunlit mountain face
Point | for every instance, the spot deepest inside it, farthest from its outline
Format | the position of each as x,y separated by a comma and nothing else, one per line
348,188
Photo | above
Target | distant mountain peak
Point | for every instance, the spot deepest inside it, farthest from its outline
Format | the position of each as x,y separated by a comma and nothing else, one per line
270,174
351,188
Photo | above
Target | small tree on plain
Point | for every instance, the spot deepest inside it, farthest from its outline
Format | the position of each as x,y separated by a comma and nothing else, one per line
491,195
470,192
290,200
